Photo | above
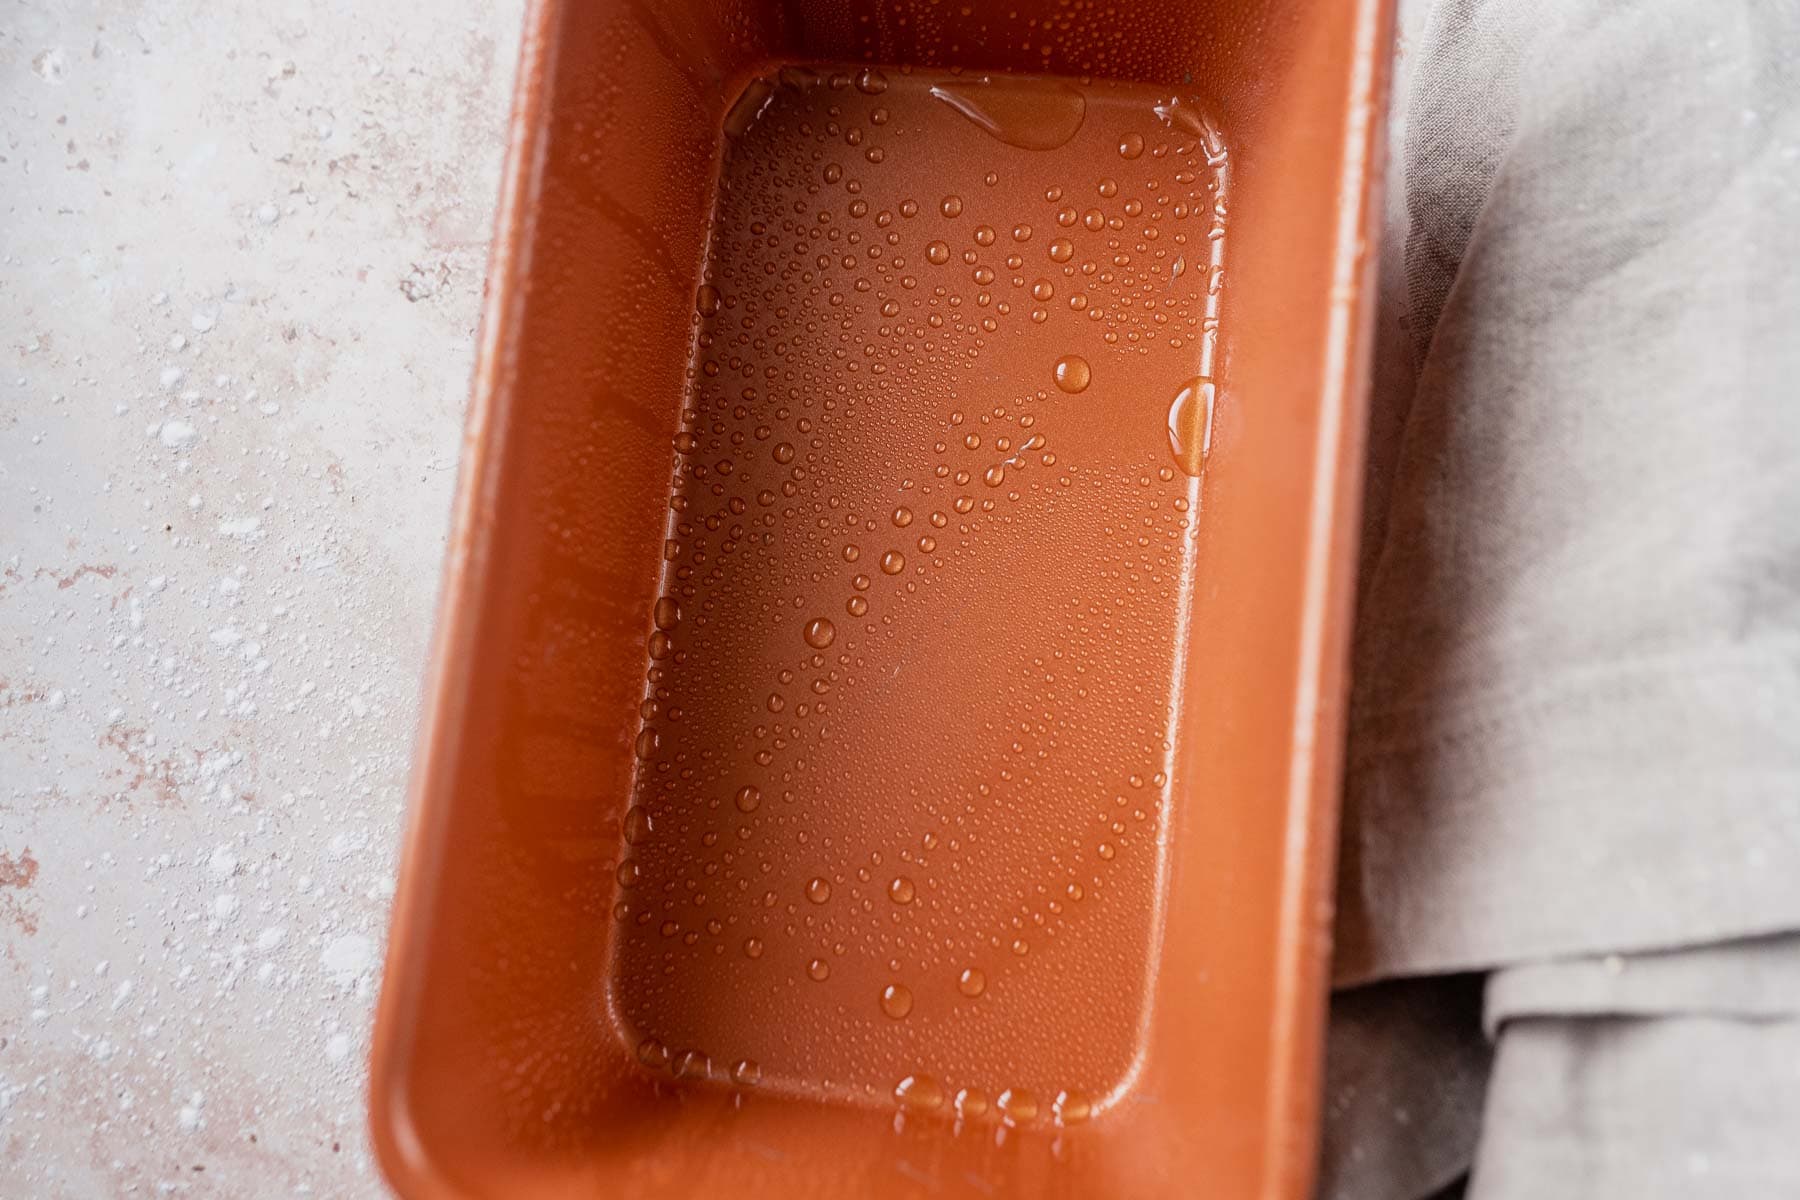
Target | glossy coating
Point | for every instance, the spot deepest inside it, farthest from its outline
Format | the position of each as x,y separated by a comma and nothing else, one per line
817,796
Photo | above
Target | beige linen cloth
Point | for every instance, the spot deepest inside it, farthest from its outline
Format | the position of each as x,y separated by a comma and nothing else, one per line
1571,842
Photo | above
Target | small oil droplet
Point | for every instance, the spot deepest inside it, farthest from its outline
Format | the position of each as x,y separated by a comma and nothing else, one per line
951,206
819,632
1073,373
753,947
972,982
893,562
818,970
692,1064
896,1000
706,300
818,889
667,612
745,1073
1131,145
748,798
937,254
901,890
902,517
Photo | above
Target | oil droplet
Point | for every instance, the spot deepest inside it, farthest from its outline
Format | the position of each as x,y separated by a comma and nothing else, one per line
753,947
784,452
1020,946
1073,373
691,1064
920,1093
638,825
1105,850
706,300
971,1104
1032,114
972,982
1131,145
748,798
951,207
893,562
818,890
856,606
1062,250
896,1000
1190,424
902,517
660,645
818,970
628,873
745,1073
647,742
901,890
994,476
1018,1106
653,1053
667,613
819,632
984,236
937,253
1071,1108
1076,891
871,82
776,703
1042,289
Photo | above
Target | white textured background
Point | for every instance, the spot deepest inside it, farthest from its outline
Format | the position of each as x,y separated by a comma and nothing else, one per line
241,250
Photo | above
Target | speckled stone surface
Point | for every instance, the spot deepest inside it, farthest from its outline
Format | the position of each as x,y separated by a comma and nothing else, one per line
241,254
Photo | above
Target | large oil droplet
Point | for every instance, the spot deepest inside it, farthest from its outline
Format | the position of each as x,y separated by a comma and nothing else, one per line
748,107
972,982
819,632
667,612
653,1054
971,1104
818,889
893,562
1071,1108
706,300
1018,1106
748,798
1190,424
920,1093
1131,145
753,947
818,970
638,825
871,82
901,890
692,1064
937,254
951,207
745,1073
1032,114
647,742
1073,373
783,452
896,1000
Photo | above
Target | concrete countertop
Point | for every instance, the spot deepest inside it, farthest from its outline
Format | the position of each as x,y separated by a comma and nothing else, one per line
241,254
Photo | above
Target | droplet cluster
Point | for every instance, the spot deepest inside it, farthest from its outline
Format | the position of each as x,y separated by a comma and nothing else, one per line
905,737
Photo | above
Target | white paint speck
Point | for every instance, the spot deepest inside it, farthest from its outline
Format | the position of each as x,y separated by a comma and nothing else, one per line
176,434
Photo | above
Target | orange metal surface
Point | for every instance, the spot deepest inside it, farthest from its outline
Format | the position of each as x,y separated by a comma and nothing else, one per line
883,731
